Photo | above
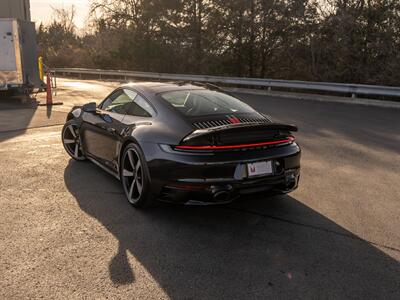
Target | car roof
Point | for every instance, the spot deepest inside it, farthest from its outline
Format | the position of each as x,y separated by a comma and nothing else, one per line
151,87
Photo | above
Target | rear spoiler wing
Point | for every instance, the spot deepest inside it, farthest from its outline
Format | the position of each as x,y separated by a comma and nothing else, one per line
239,127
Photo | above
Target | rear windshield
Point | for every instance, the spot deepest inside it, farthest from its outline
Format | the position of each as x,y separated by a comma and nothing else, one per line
205,102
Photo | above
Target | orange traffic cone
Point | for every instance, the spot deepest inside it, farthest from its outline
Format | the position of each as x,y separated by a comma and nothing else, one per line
49,93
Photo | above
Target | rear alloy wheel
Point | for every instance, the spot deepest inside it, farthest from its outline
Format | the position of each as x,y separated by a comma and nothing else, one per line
71,140
135,177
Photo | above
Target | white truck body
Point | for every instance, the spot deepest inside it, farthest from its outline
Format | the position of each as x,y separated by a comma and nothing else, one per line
16,9
18,56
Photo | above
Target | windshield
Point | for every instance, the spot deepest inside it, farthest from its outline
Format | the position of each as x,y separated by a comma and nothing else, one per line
205,102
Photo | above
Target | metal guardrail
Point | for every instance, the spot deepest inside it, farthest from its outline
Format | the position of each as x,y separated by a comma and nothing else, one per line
349,89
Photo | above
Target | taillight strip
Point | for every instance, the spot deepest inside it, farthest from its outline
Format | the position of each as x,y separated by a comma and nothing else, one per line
211,147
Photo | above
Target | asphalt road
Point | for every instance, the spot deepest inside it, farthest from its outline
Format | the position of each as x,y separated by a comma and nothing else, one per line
66,230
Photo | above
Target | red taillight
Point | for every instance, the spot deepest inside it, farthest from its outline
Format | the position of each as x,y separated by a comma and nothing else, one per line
289,139
234,120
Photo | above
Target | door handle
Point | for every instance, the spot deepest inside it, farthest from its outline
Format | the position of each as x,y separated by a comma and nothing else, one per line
111,130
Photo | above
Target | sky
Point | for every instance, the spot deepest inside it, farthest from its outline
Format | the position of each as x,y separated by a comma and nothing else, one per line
41,10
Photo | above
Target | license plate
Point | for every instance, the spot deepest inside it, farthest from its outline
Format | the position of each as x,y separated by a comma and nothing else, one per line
259,168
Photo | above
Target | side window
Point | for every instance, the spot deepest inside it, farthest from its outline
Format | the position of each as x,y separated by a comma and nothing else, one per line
141,108
119,102
109,100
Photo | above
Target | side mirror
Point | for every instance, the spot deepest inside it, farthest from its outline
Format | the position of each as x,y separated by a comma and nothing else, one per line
90,107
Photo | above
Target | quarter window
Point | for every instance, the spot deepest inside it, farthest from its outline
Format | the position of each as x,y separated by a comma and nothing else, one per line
141,108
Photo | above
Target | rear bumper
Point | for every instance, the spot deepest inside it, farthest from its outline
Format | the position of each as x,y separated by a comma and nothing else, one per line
222,177
226,192
3,85
10,87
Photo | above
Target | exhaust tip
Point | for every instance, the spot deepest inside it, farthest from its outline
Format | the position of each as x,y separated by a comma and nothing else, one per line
222,196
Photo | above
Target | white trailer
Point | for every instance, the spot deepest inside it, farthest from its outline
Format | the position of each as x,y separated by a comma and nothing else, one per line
16,9
18,56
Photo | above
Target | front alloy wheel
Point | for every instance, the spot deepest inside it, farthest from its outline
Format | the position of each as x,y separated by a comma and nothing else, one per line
72,141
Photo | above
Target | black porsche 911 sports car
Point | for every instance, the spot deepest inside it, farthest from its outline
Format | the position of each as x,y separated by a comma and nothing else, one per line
184,143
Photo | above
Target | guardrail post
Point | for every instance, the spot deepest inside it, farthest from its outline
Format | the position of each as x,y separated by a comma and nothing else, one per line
55,80
269,90
353,95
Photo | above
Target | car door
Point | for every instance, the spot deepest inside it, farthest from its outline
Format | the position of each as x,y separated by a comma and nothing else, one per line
101,131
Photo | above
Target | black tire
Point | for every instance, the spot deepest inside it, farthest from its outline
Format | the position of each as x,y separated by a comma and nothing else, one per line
134,175
71,140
